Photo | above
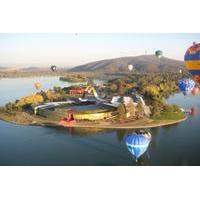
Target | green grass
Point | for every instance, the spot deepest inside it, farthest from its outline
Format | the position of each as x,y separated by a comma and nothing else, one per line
170,116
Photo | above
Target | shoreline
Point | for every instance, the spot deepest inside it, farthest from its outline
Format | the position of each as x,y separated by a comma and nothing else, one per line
29,120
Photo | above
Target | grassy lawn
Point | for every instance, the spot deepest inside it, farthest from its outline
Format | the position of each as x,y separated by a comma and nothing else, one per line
170,116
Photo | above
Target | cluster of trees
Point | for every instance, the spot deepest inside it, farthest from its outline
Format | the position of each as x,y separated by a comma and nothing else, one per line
153,87
120,86
55,94
24,102
130,111
161,108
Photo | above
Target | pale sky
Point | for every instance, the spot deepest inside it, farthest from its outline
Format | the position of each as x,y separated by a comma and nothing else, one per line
74,49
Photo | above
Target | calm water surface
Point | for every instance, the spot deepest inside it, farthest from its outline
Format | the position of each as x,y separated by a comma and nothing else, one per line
30,145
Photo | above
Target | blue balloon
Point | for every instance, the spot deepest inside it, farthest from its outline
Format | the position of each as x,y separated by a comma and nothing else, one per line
137,144
186,86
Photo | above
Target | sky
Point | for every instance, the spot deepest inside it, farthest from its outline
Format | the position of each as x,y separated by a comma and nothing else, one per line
70,49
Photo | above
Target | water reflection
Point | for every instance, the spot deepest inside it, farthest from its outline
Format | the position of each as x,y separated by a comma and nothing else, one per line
155,138
121,133
143,161
106,146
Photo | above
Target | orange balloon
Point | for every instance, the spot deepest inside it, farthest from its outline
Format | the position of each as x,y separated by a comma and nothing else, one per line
37,85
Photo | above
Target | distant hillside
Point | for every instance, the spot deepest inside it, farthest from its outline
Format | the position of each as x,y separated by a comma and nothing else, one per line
143,63
30,69
8,69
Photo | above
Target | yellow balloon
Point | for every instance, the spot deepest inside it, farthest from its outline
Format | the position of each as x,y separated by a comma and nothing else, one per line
38,85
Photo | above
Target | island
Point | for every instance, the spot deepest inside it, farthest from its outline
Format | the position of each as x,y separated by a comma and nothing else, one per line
74,78
133,101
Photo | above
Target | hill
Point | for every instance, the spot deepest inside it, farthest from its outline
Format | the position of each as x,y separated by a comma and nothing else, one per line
143,63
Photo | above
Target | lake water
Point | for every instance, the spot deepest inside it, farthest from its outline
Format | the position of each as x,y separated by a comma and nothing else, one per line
32,145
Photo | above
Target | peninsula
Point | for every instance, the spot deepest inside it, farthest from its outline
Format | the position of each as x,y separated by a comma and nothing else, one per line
134,101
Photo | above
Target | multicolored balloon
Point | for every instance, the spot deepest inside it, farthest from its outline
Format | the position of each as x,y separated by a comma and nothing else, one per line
192,61
186,86
137,144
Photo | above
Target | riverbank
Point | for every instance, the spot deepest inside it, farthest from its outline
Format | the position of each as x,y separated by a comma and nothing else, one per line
46,72
23,118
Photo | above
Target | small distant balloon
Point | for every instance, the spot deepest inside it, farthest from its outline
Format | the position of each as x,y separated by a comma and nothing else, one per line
53,68
37,85
130,67
159,53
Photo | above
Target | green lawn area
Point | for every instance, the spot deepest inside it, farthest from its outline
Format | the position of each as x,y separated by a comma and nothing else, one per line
170,116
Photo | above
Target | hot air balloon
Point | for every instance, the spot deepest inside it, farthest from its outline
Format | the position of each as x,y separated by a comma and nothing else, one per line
137,143
192,61
195,91
194,111
53,68
197,79
37,85
158,53
130,67
186,86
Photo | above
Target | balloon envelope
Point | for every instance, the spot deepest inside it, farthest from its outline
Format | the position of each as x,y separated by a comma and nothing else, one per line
195,91
186,86
197,78
53,68
130,67
192,60
37,85
159,53
194,111
137,144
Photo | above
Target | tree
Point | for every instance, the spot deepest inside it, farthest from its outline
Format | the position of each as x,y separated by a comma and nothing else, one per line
131,108
120,87
140,110
153,91
113,88
9,107
44,95
121,111
57,89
